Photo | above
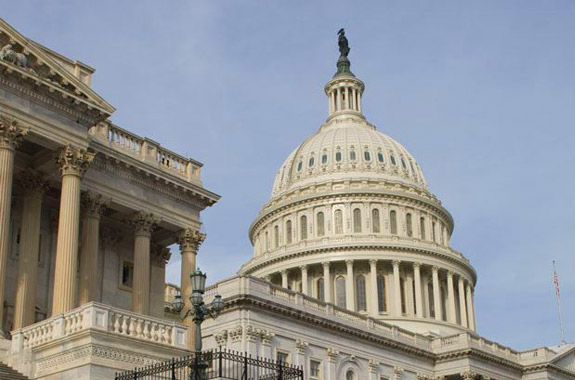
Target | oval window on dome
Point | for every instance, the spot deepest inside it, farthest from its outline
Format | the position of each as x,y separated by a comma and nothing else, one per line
311,162
352,155
392,159
338,156
324,158
403,163
380,157
367,156
299,165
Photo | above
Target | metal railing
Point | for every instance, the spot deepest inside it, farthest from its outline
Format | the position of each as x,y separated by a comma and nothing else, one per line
216,364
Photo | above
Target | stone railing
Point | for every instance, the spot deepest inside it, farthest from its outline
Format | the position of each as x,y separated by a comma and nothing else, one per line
94,316
146,150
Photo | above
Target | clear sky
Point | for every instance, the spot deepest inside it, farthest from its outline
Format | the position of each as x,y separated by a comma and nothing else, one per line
481,93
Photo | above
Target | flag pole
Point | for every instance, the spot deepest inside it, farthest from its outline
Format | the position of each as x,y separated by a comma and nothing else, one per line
557,296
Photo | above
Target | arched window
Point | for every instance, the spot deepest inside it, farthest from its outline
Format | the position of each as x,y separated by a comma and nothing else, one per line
299,165
393,222
380,157
356,220
338,156
350,375
367,156
276,236
352,155
320,228
288,232
403,163
324,158
320,292
392,159
375,221
303,227
431,300
360,293
422,227
340,299
409,224
433,231
267,241
403,300
381,299
338,217
311,161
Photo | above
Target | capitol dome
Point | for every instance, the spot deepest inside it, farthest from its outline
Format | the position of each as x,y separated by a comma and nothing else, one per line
352,223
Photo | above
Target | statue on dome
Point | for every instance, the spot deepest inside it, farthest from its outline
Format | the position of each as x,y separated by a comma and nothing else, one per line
342,42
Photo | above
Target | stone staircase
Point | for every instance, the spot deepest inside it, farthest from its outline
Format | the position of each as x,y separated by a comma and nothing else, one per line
7,373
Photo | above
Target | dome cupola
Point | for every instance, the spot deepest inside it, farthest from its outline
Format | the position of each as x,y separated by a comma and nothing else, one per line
351,222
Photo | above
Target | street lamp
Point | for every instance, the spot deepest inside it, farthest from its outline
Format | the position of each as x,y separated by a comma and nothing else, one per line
198,313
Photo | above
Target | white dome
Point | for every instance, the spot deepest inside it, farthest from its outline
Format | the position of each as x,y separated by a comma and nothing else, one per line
345,149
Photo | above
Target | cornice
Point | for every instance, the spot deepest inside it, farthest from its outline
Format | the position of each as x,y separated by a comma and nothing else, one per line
474,353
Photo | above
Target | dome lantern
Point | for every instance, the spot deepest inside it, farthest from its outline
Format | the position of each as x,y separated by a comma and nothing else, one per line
344,90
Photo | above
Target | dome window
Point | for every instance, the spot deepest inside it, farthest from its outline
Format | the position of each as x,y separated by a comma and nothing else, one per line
392,159
380,157
324,158
352,155
367,156
311,162
338,156
299,165
403,163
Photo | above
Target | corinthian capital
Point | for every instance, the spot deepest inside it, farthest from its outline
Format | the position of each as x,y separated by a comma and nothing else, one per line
93,204
32,183
11,133
143,222
74,161
190,239
468,375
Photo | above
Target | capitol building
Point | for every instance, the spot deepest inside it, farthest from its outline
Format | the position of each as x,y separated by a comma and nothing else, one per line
352,276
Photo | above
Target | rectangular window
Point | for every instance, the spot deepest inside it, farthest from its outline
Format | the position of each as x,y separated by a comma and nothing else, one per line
126,275
282,357
315,369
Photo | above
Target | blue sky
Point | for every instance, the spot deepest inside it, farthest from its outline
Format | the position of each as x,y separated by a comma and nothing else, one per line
481,93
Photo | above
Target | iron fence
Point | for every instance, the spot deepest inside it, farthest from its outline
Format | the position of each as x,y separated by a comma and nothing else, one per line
216,364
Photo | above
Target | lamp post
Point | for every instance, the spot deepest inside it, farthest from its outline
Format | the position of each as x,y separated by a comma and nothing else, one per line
198,312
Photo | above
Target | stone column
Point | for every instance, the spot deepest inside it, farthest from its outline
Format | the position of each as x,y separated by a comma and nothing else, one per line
409,292
73,164
332,355
285,279
93,206
304,280
34,187
190,241
11,135
349,291
451,317
144,224
417,284
301,348
326,282
470,309
396,289
437,295
373,305
462,307
338,105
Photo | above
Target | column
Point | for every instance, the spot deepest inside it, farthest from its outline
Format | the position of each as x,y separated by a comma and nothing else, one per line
417,284
304,280
73,164
338,99
349,291
462,307
373,305
359,101
409,292
470,309
34,187
11,135
347,102
396,289
437,295
451,317
285,282
326,282
353,92
93,205
144,224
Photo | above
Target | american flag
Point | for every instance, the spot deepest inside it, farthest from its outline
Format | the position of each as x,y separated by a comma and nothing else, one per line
555,281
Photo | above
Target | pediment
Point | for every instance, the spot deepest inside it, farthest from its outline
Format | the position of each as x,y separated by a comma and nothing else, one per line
566,359
46,71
